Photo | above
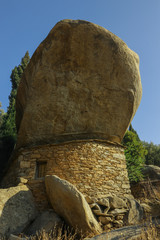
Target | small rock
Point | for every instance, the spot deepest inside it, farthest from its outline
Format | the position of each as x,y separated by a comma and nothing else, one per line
95,206
106,210
14,237
104,220
116,202
119,217
107,226
104,202
118,223
89,200
97,212
118,211
135,213
47,220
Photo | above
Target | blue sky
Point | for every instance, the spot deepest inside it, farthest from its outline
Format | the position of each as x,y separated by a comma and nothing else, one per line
24,24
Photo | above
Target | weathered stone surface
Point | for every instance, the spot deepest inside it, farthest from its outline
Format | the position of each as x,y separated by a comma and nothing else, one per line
99,213
95,206
104,202
127,233
104,220
17,209
135,213
89,200
79,162
151,208
71,205
14,237
116,202
78,62
118,211
47,220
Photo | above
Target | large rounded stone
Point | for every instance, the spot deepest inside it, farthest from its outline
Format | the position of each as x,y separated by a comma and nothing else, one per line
82,82
71,205
17,210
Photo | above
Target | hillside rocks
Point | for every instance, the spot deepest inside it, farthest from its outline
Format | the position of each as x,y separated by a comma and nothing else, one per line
71,205
110,211
152,172
17,209
47,220
117,212
79,62
135,213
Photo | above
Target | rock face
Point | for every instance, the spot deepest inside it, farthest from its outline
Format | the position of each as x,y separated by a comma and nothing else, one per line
152,172
47,220
135,214
79,62
17,209
115,212
71,205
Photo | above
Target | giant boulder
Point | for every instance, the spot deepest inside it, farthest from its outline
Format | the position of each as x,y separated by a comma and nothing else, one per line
17,209
82,82
71,205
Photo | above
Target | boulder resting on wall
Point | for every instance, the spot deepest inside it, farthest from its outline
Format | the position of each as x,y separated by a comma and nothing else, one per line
71,205
82,82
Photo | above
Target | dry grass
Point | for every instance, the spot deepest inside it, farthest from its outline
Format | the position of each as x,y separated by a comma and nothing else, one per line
61,233
152,232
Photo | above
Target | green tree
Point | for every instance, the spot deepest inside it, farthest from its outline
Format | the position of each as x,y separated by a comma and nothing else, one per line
135,155
8,126
1,114
153,153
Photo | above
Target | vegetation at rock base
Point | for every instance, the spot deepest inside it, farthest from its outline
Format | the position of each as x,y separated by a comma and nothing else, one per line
1,114
153,154
135,155
7,120
139,153
8,132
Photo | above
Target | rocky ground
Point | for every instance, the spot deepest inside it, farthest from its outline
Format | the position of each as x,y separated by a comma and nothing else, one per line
133,232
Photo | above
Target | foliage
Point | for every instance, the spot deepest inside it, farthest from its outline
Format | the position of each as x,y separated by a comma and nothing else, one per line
135,155
7,120
153,155
6,147
8,126
1,114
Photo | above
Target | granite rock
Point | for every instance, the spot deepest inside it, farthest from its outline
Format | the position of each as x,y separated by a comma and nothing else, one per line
71,205
17,210
78,62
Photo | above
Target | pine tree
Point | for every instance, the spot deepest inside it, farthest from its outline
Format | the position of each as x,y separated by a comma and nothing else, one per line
8,126
1,114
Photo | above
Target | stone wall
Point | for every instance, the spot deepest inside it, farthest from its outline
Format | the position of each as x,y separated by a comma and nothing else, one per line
97,168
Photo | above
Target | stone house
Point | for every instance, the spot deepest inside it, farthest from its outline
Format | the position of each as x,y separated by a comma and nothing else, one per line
75,101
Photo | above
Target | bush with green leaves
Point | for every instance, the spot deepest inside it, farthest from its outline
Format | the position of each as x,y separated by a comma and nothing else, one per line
135,155
153,153
7,120
8,131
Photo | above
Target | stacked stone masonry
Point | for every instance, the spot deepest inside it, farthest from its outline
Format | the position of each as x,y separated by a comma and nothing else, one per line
97,168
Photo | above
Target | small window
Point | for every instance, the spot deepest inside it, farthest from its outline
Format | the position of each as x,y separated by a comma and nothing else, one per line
41,169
